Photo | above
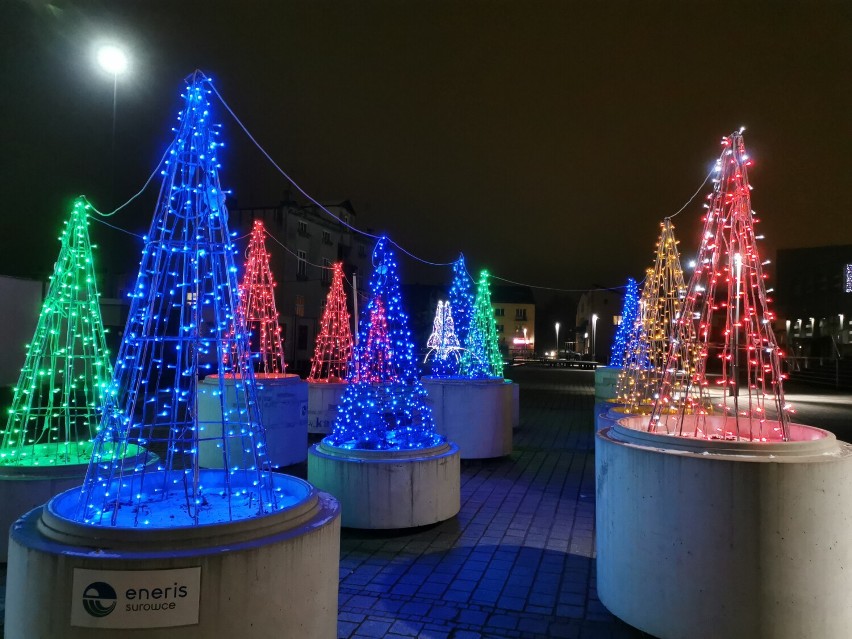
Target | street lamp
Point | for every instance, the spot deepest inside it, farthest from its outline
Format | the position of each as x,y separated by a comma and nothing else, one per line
113,60
594,334
557,340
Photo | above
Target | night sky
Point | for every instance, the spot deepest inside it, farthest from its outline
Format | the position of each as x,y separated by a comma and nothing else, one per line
546,140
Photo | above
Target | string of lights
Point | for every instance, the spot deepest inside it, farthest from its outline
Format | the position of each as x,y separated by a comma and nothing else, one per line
333,350
482,358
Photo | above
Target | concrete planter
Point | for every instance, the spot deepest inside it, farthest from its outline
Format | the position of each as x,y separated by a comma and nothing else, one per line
253,578
606,382
475,414
608,412
323,400
389,489
515,395
283,401
702,539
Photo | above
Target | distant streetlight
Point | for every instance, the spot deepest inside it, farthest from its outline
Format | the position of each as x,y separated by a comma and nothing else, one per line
557,340
594,335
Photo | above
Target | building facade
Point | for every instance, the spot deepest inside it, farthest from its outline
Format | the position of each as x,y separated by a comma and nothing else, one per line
514,313
598,318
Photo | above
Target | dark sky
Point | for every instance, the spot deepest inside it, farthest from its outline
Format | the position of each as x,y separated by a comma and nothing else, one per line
546,140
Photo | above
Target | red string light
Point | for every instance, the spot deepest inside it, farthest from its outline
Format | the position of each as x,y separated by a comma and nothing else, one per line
333,349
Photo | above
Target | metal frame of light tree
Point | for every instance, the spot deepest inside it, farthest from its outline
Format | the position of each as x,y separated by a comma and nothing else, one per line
384,404
727,320
443,343
627,327
481,357
659,309
179,326
257,307
333,350
55,406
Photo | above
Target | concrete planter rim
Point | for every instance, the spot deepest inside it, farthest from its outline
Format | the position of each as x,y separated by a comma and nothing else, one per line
58,528
630,430
358,455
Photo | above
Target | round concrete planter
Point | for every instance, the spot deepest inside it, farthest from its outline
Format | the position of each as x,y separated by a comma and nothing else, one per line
702,539
283,401
608,412
254,578
515,396
389,489
606,381
475,414
23,488
323,400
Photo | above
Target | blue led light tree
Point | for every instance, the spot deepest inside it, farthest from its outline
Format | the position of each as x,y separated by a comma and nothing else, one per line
461,299
628,327
383,407
178,329
443,343
482,356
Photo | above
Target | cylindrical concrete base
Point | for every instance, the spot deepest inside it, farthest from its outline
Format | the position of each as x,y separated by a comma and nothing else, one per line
701,539
283,402
608,412
475,414
252,579
24,488
389,489
323,400
606,382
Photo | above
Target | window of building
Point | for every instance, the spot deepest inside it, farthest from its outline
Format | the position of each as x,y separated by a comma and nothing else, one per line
326,271
303,228
499,312
521,314
300,306
302,338
499,328
617,319
326,237
302,266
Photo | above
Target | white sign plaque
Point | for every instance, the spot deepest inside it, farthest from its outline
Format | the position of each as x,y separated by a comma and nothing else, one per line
135,598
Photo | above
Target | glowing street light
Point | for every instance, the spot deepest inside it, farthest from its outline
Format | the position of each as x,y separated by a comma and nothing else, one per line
594,333
557,340
113,60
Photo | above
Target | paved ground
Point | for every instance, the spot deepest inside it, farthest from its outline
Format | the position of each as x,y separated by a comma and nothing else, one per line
518,560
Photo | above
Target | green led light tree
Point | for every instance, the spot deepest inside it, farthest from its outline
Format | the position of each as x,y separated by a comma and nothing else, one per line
54,411
482,356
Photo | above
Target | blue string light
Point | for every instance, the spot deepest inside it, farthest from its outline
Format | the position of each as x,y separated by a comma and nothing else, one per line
383,407
629,315
178,330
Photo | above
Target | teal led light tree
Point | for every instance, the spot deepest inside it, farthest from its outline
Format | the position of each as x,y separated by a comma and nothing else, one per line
482,356
178,329
55,406
383,407
628,326
443,343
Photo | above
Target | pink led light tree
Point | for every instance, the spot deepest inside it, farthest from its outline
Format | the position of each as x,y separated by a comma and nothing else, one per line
735,390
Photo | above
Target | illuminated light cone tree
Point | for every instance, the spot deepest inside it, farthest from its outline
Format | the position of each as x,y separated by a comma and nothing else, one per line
627,329
726,319
333,350
383,407
55,406
257,307
179,326
482,358
461,300
660,306
443,343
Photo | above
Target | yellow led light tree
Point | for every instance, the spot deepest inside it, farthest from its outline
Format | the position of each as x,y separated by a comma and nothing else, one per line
55,406
660,306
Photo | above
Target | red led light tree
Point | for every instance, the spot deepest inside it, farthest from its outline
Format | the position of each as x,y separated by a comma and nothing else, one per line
735,390
257,307
333,350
